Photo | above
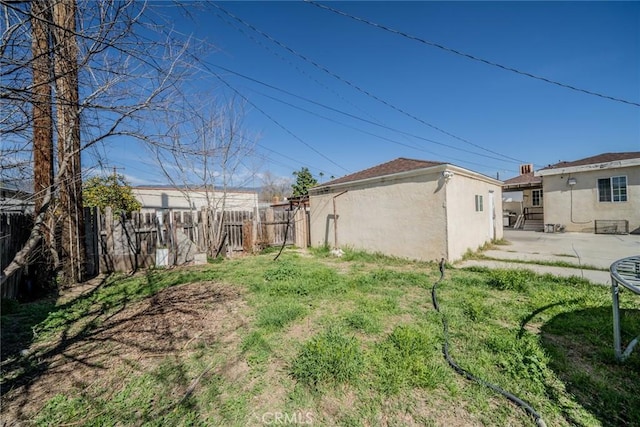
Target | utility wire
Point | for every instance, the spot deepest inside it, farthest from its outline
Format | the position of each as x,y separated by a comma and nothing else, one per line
293,65
373,134
355,117
267,115
358,88
469,56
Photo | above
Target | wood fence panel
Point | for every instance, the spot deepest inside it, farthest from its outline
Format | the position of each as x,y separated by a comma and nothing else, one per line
92,239
14,233
275,226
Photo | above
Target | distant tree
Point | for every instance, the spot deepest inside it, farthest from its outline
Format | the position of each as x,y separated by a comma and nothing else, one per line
304,181
274,187
113,191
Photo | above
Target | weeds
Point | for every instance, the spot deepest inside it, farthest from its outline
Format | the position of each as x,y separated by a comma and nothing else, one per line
377,355
331,357
279,314
515,280
408,357
363,321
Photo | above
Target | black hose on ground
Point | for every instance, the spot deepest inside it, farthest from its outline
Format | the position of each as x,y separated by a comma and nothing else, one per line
468,375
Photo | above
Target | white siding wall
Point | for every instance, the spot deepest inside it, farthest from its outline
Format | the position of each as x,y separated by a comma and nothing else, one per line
153,199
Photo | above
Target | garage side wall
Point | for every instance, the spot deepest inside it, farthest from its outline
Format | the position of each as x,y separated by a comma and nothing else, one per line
469,227
403,217
577,207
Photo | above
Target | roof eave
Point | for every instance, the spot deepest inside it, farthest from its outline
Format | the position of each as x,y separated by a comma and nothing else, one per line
522,186
323,189
615,164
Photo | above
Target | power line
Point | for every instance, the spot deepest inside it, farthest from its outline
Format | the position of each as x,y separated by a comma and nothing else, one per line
379,136
354,117
470,56
358,88
291,64
276,122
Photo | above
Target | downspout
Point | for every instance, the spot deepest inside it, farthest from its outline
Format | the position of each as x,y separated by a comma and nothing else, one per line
446,228
571,182
335,220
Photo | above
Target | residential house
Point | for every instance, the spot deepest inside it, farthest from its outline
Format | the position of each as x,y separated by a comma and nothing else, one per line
523,200
595,194
408,208
14,200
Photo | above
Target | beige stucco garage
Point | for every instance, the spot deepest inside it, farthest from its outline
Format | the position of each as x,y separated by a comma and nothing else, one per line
408,208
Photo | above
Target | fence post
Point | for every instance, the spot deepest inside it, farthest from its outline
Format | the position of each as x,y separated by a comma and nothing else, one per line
109,242
271,228
247,236
254,229
301,229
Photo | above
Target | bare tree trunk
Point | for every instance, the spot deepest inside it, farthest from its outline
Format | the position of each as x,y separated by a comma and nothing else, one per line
42,112
42,132
45,45
68,122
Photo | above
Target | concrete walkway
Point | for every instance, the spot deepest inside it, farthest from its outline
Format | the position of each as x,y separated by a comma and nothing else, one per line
594,250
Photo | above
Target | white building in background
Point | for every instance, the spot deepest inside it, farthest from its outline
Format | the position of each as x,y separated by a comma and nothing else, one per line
13,200
162,198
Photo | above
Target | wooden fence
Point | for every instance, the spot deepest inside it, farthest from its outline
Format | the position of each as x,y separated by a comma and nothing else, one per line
135,242
127,244
14,233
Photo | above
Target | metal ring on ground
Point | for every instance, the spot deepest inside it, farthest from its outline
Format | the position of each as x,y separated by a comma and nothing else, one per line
625,272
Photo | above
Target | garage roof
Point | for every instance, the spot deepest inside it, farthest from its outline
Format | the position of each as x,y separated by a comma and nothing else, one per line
398,165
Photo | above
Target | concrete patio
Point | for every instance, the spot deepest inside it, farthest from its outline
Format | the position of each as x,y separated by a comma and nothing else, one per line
593,250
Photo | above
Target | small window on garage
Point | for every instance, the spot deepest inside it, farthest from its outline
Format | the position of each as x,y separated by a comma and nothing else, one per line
479,203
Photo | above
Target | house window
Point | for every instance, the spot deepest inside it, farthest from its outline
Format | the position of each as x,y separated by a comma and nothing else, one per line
612,189
479,207
536,197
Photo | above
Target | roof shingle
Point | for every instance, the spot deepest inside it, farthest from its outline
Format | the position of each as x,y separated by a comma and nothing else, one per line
600,158
524,180
389,168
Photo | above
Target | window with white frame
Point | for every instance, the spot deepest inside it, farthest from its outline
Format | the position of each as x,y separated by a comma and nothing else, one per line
536,197
479,203
612,189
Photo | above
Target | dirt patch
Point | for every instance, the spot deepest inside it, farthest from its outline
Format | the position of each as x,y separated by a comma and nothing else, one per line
135,338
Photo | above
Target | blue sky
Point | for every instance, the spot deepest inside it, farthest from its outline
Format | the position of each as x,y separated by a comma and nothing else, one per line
389,96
